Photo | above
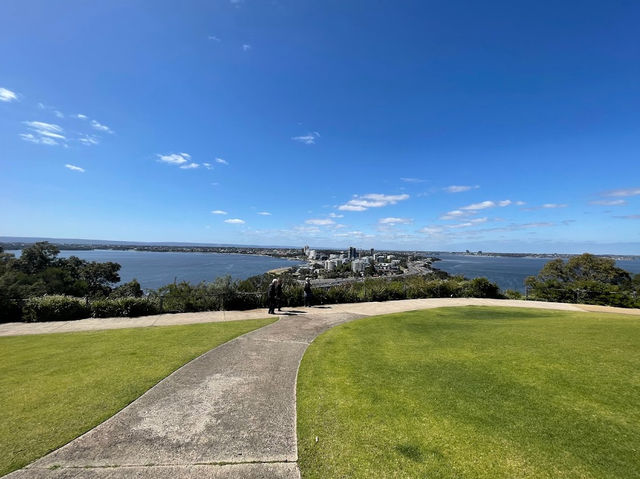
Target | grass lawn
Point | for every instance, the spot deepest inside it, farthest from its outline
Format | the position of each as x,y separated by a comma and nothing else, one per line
473,392
55,387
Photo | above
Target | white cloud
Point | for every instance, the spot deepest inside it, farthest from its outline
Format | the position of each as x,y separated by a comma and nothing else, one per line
486,204
219,212
553,205
320,222
335,215
214,38
246,47
264,213
308,139
42,140
189,166
88,140
609,202
74,168
629,217
395,221
43,133
469,223
59,114
455,214
81,116
623,192
221,161
208,166
41,125
371,200
235,221
100,127
7,95
175,158
412,180
459,189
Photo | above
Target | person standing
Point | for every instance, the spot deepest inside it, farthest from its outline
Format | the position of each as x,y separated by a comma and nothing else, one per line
308,294
279,294
271,296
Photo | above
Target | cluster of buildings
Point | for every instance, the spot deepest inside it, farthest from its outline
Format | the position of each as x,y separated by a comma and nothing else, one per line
321,263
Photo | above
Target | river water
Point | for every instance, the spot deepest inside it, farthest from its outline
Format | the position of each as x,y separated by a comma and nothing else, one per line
154,269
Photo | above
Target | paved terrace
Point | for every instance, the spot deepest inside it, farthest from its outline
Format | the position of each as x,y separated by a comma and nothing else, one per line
231,413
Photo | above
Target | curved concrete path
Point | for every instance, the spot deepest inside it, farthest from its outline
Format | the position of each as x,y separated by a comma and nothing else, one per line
231,413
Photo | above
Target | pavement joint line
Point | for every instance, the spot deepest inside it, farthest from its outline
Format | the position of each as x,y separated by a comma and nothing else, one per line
279,340
172,464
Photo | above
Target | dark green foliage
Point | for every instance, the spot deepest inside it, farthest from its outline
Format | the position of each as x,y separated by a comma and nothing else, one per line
124,307
513,294
585,279
481,288
130,289
55,308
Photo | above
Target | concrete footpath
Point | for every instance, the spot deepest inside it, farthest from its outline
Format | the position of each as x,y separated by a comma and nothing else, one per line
231,413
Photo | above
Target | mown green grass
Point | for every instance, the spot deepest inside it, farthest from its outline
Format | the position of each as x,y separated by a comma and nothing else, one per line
55,387
473,392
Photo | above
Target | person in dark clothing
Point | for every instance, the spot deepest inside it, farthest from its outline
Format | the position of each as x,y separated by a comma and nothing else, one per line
308,294
271,296
279,294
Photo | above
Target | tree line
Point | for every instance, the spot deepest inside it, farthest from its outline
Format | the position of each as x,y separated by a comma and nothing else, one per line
40,286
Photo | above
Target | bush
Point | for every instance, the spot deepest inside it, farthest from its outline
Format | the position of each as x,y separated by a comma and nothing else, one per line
124,307
513,294
54,308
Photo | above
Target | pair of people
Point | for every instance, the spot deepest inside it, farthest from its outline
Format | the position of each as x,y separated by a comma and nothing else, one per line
274,295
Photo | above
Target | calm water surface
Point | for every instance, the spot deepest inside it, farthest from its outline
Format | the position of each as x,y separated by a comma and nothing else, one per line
154,269
507,272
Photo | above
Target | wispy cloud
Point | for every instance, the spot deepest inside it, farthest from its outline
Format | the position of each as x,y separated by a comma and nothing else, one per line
100,127
219,212
608,202
394,221
308,139
629,217
208,166
264,213
320,222
58,114
221,161
412,180
43,133
335,215
214,38
246,47
7,96
74,168
189,166
82,117
175,158
88,140
622,192
546,206
371,200
459,188
235,221
486,204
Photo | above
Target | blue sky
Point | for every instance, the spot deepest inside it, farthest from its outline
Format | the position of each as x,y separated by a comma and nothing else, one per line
433,125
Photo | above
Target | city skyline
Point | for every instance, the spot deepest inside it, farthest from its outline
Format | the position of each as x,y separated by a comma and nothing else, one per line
416,127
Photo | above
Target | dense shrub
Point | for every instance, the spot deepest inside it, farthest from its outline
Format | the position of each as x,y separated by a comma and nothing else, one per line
124,307
54,308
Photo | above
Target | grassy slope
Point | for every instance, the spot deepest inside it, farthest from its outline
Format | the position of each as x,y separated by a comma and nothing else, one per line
55,387
473,393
